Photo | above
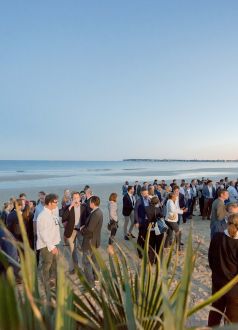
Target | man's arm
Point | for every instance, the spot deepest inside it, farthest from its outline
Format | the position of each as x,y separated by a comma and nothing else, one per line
220,212
136,215
43,231
66,214
93,222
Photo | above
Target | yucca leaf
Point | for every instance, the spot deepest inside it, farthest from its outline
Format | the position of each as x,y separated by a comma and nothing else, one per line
214,297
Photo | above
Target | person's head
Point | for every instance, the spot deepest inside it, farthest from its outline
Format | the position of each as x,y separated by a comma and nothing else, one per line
232,225
67,194
136,183
126,183
144,192
76,198
174,181
88,192
82,194
232,183
182,181
151,190
182,185
176,190
187,185
130,190
223,194
32,205
20,204
51,201
232,208
226,179
94,202
172,196
193,182
22,196
159,187
209,183
113,197
154,201
7,207
168,189
41,196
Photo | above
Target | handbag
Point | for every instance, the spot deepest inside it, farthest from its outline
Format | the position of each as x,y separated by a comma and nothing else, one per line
112,224
162,227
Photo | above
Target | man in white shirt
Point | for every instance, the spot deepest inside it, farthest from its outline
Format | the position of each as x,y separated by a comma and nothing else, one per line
48,237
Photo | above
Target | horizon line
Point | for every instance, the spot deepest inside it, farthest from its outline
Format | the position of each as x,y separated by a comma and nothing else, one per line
123,160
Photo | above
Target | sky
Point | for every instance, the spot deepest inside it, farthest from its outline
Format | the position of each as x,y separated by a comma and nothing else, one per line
110,79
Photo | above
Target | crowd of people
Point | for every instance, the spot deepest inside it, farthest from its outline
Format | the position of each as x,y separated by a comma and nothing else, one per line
157,207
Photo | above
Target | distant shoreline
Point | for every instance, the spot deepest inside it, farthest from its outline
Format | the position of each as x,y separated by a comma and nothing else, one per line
182,160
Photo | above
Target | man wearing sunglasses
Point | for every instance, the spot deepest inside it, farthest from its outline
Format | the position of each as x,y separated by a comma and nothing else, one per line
48,238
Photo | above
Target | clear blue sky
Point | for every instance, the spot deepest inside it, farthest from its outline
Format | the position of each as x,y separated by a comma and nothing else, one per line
106,80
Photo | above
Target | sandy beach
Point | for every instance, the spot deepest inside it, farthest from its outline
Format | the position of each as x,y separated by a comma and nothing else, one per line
201,284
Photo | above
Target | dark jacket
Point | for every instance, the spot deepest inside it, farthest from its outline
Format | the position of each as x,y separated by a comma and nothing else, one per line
13,225
223,261
69,216
127,205
92,230
9,249
206,194
87,205
153,213
137,189
140,214
218,226
182,202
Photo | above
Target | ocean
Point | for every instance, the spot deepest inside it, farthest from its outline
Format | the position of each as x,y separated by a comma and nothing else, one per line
25,174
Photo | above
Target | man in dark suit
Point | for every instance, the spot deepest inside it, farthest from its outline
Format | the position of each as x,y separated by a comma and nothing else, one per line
209,193
75,218
88,195
137,189
12,220
128,212
91,238
141,219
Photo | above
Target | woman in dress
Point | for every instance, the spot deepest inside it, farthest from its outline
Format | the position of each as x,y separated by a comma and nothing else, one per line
113,217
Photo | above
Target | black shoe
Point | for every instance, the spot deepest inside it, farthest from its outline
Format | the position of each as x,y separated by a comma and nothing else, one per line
130,234
126,238
181,243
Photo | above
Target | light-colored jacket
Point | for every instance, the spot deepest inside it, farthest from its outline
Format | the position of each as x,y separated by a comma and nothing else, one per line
172,211
112,208
233,194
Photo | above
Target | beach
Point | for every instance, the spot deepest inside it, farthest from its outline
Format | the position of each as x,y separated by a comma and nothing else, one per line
32,183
